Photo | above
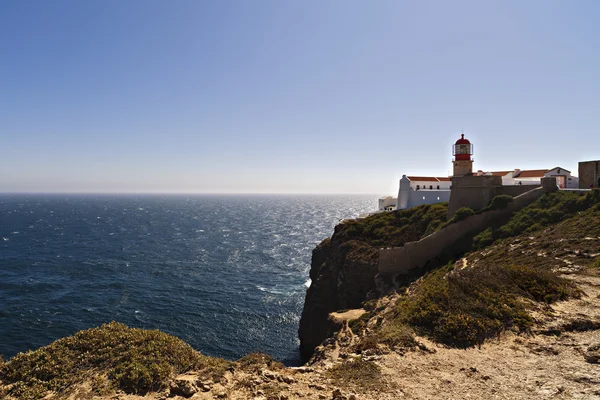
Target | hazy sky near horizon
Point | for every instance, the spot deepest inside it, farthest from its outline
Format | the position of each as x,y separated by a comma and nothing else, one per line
290,96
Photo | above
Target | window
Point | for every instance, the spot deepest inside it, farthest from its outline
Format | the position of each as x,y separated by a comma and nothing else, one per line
430,187
438,188
418,187
423,197
438,197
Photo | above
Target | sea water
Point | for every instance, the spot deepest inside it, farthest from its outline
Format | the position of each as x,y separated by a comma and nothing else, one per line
227,274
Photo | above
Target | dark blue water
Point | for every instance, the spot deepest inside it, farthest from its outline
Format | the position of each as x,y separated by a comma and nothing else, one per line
227,274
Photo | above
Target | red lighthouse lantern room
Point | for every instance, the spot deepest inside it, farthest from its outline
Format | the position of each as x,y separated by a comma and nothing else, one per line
463,149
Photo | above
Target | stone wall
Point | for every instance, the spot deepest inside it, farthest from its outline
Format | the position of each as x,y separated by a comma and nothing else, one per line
589,174
517,190
474,192
451,239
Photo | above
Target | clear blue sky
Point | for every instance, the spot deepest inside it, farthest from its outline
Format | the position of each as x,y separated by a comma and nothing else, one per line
290,96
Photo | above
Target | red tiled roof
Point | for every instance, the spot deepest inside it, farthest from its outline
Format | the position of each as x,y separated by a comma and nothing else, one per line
423,178
500,173
444,179
532,173
427,179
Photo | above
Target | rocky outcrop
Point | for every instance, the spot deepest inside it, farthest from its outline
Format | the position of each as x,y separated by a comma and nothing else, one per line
343,267
342,274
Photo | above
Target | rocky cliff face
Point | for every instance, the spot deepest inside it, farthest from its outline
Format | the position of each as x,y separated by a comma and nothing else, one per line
343,267
342,275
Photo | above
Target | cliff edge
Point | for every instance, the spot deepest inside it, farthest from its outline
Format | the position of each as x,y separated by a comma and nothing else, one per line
343,267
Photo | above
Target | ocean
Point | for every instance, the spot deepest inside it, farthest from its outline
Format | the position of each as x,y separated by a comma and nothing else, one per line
226,273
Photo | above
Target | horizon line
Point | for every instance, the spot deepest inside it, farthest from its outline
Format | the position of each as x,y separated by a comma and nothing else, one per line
193,193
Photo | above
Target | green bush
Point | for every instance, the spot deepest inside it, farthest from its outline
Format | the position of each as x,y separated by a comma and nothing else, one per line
483,239
461,214
133,360
547,210
500,202
463,308
393,229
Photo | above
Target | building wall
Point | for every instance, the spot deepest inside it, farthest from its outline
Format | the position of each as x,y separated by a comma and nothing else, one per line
426,185
409,197
589,174
418,197
387,202
570,182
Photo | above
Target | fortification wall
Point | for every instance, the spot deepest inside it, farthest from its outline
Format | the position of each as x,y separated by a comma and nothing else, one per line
401,260
589,174
474,192
414,255
517,190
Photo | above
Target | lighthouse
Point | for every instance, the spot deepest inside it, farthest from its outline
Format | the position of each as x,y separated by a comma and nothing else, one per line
462,152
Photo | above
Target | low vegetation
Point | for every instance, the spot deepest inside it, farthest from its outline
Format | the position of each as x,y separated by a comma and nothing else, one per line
394,334
113,356
499,202
547,210
464,307
460,214
395,228
357,373
255,362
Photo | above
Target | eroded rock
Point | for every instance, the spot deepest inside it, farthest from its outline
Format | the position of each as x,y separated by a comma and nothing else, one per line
592,355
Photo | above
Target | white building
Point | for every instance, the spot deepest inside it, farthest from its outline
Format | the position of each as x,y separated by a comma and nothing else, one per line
387,203
564,180
417,190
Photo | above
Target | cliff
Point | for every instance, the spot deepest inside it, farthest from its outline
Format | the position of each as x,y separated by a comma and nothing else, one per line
343,268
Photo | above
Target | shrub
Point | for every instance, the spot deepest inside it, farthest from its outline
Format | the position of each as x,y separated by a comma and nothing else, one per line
359,324
596,263
133,360
500,202
395,228
357,372
396,334
548,209
484,238
254,362
461,214
463,308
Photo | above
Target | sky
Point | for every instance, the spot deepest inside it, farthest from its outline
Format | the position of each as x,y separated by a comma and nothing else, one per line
338,96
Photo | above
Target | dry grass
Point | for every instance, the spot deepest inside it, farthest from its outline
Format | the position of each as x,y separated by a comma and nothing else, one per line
394,334
462,308
358,373
255,362
113,356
